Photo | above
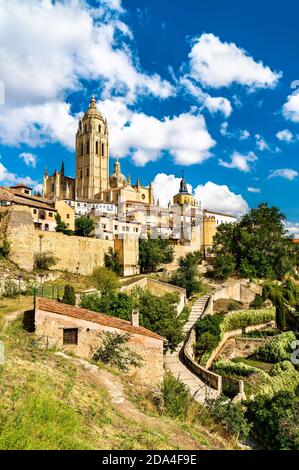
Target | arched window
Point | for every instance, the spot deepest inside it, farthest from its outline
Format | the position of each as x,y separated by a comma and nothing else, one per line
87,147
102,149
97,148
99,129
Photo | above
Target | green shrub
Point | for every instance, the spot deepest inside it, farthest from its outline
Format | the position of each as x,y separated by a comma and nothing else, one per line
239,369
11,290
69,296
258,302
112,261
4,248
115,352
230,415
177,398
278,349
104,280
118,304
243,318
208,335
275,420
44,261
187,274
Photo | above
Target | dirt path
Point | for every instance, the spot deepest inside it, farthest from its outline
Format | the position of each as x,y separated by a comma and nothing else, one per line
178,439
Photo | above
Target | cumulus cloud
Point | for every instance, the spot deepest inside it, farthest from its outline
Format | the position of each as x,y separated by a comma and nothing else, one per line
8,178
211,196
290,109
285,135
145,138
213,104
286,173
261,143
220,64
28,158
250,189
240,134
220,198
239,161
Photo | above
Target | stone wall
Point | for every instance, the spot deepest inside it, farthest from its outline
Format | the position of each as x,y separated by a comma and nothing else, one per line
49,329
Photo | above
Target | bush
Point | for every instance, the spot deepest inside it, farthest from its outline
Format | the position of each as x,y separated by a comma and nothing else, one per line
112,261
117,304
275,420
4,249
114,352
69,296
239,369
243,318
258,302
84,226
44,261
278,349
230,415
177,398
11,290
104,280
208,334
154,252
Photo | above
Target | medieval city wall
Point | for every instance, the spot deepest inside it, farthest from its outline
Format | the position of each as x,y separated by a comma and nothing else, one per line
74,254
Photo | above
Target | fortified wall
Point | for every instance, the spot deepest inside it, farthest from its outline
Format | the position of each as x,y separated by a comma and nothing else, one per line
75,254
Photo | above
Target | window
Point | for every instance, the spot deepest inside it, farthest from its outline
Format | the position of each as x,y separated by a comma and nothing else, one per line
99,129
102,149
34,211
81,174
87,172
47,227
82,150
50,214
87,147
70,336
67,216
97,148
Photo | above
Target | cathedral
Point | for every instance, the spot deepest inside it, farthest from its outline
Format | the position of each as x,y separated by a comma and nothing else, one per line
92,181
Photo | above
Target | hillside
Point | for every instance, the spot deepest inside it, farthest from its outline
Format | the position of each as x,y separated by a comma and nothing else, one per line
52,401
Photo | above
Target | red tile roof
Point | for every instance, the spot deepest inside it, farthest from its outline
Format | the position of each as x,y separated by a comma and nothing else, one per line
94,317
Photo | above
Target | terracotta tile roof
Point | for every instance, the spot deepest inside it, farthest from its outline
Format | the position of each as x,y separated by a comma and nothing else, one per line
94,317
17,197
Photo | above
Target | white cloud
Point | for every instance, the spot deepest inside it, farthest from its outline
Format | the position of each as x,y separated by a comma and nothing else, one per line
250,189
290,109
217,64
285,135
239,161
165,187
244,134
145,138
219,198
211,196
214,104
28,158
286,173
261,143
240,134
6,177
56,45
293,228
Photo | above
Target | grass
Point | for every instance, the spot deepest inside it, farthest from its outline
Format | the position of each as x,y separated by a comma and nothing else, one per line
254,363
12,305
48,402
78,281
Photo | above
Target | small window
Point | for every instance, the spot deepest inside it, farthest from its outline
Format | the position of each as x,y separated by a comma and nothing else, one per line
82,150
34,211
70,336
50,214
102,149
87,172
99,129
67,216
87,147
81,174
97,148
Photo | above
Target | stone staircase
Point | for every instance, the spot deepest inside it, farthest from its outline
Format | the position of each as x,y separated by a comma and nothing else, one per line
174,361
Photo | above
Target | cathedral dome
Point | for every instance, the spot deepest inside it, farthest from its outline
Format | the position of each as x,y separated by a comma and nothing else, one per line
117,178
93,111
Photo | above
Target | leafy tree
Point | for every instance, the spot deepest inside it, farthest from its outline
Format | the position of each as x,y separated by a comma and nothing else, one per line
257,302
256,246
285,298
208,332
69,296
112,261
84,226
117,304
153,252
187,275
275,420
115,352
4,248
61,226
230,415
104,280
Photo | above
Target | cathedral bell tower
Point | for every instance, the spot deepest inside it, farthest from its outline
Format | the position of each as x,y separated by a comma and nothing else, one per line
92,154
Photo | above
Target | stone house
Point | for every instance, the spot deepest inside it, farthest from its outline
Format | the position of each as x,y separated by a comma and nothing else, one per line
78,331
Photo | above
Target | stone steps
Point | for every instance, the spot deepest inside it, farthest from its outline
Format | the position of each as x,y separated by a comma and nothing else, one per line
172,361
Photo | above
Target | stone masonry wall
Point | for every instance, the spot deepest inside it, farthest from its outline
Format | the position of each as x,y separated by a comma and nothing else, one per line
49,329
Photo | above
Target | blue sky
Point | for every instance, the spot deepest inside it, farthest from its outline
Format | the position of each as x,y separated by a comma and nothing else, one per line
194,85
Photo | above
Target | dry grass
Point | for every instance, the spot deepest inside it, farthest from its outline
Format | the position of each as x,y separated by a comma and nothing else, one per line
12,305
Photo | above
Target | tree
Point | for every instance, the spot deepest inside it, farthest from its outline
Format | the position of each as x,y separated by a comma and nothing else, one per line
112,261
258,246
61,226
187,275
153,252
69,296
44,261
285,298
104,280
84,226
117,304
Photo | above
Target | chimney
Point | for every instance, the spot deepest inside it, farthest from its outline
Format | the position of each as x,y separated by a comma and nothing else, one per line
135,317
